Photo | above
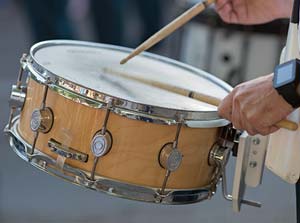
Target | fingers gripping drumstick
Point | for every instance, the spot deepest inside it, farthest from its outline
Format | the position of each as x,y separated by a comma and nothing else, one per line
170,28
286,124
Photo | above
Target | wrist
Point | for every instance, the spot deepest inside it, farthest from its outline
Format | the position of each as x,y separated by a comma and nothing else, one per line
285,8
286,81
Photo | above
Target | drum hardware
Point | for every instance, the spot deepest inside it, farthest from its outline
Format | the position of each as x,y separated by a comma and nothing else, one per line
200,122
170,159
126,108
18,92
137,104
67,152
249,168
219,156
41,119
144,117
229,197
111,187
228,140
42,164
17,97
102,141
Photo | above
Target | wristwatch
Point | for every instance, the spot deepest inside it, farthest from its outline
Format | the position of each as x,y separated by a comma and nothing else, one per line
286,81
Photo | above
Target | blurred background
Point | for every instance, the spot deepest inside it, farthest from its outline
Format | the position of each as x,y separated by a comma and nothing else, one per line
232,53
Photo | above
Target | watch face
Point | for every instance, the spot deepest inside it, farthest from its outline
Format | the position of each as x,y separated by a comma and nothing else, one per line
284,74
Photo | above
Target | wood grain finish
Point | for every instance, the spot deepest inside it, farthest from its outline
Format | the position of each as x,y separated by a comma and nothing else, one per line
136,144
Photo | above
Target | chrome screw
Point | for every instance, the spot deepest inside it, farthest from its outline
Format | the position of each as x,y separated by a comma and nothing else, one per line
256,141
253,164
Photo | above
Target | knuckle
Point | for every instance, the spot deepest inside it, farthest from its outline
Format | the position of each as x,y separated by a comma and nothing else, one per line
237,124
251,132
238,97
264,131
252,118
221,109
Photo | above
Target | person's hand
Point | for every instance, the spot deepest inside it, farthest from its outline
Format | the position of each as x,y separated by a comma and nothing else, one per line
255,106
253,11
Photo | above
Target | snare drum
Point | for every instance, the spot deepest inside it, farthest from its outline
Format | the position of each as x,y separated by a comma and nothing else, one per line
83,121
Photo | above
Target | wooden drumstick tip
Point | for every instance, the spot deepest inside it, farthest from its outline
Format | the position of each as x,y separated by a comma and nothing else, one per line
124,61
130,56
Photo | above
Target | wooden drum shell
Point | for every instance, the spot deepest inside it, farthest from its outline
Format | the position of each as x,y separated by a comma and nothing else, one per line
136,144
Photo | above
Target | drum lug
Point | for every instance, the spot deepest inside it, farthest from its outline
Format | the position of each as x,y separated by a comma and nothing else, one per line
18,92
102,141
17,96
24,60
218,156
169,158
42,120
16,101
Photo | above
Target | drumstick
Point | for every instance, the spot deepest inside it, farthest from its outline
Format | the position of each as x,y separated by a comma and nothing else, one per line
170,28
286,124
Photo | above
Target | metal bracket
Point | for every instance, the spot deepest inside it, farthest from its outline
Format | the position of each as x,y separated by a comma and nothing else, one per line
249,168
18,93
67,152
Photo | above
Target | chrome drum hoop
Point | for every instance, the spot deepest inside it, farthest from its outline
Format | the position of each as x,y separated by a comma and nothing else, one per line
129,109
101,184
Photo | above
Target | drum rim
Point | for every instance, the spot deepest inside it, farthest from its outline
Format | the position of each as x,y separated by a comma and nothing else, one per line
123,107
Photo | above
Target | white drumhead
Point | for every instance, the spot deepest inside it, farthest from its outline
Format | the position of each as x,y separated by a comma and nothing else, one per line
97,67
